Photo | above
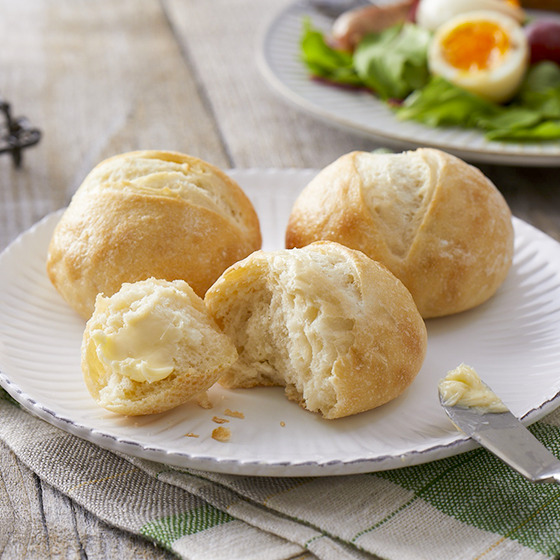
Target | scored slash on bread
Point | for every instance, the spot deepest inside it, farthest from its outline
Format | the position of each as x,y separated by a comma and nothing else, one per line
436,222
149,214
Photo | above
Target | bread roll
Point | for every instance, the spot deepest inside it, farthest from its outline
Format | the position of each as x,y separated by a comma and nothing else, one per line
149,213
436,222
152,346
335,328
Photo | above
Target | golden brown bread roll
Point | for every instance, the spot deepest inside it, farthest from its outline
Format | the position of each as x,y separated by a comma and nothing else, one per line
149,213
436,222
335,328
152,346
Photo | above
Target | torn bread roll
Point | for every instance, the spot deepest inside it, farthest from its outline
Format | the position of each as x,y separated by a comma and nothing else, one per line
437,223
149,213
335,328
152,346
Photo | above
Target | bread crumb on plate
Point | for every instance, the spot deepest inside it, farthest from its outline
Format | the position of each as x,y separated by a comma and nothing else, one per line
204,401
221,434
234,413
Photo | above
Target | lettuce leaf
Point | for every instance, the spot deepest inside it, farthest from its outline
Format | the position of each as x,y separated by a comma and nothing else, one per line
394,62
540,89
440,103
325,62
533,115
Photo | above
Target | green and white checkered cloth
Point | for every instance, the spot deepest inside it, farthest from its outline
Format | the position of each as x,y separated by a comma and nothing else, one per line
466,507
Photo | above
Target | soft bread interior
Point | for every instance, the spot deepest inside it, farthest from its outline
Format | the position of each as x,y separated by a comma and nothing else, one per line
397,190
292,325
152,346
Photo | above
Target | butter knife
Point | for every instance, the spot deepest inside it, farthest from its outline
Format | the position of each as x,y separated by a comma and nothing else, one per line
507,438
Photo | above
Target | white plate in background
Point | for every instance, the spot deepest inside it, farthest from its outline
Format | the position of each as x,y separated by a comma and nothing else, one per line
359,111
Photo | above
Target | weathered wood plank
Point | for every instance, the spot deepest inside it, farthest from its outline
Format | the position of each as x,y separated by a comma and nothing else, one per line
98,78
38,522
261,130
23,533
533,194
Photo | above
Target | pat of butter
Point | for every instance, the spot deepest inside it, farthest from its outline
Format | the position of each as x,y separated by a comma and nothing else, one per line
463,387
142,345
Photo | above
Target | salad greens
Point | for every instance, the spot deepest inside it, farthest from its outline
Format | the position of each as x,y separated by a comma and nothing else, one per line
394,62
326,62
393,65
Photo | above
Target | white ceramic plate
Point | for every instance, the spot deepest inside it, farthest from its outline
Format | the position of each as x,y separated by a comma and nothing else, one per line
512,340
280,63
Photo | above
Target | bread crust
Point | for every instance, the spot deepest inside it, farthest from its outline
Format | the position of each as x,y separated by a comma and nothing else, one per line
460,245
347,304
149,213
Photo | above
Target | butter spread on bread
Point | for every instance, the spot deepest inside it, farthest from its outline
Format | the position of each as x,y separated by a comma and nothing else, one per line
152,346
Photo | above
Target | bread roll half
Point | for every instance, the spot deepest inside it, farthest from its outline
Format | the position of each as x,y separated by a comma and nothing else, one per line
149,213
152,346
436,222
335,328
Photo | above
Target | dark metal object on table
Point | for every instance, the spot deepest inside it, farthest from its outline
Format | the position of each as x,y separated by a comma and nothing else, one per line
16,134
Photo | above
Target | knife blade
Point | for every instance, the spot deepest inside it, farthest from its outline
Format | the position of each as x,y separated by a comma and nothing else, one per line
507,438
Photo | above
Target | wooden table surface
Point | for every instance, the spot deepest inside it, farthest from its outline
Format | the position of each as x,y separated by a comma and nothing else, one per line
105,77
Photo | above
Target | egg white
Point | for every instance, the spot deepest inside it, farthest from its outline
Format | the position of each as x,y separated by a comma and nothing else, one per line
431,14
498,83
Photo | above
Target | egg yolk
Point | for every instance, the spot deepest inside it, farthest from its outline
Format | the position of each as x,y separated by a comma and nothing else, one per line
477,45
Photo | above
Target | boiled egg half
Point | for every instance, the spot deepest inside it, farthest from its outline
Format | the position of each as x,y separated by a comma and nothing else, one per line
483,52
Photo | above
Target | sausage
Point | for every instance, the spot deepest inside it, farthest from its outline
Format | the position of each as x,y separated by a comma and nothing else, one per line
349,28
